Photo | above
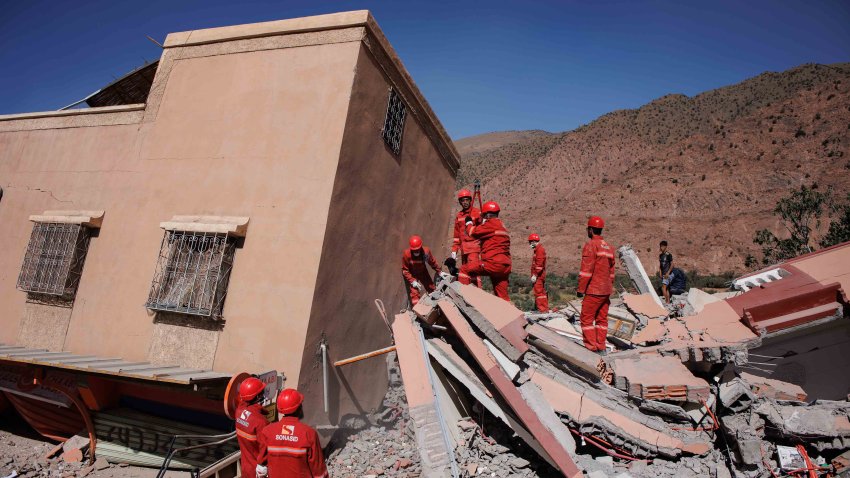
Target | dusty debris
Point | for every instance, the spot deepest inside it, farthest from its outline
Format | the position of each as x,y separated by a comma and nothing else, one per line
664,402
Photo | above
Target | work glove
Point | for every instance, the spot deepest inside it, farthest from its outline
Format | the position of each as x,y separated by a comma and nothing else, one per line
579,294
533,279
454,255
467,220
446,276
416,285
262,471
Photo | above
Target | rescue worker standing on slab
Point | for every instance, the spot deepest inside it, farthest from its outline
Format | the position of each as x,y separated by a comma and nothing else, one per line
289,448
467,248
595,284
495,250
414,270
538,273
250,421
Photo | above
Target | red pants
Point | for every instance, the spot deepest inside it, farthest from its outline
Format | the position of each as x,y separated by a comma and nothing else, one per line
540,296
414,292
594,321
498,273
473,259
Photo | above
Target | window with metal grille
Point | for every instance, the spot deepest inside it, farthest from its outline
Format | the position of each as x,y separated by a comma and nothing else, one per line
192,273
54,259
394,123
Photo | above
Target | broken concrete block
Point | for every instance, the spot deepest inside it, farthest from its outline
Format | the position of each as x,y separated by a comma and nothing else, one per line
636,272
574,355
499,321
645,304
772,388
825,424
736,395
654,377
77,441
697,299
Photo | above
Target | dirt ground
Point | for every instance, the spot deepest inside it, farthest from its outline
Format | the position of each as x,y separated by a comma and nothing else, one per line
22,453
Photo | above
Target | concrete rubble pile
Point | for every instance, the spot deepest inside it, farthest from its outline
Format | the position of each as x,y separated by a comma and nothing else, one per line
495,391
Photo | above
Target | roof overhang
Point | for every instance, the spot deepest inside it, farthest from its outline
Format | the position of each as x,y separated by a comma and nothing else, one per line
116,367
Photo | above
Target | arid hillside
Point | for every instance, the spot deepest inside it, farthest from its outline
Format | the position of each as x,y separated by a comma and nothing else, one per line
704,173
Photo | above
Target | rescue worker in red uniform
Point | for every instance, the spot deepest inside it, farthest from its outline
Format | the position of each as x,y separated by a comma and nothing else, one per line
250,421
468,248
538,273
289,448
414,270
595,284
495,250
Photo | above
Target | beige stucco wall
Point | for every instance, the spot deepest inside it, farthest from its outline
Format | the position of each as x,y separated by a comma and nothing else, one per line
378,201
255,134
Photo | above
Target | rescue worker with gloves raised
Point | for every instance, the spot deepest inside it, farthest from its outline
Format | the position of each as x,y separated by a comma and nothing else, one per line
414,270
538,273
289,448
250,421
595,284
467,248
495,250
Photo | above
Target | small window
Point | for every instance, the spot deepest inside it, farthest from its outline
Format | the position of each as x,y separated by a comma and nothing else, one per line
394,123
192,273
54,259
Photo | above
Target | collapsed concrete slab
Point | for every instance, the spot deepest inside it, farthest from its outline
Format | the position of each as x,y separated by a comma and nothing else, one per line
645,304
436,453
776,389
528,414
656,377
824,425
637,273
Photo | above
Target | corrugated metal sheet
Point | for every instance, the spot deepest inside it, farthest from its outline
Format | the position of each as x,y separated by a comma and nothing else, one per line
110,366
128,436
51,421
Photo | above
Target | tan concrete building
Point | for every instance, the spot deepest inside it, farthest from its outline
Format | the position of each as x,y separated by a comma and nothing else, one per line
253,207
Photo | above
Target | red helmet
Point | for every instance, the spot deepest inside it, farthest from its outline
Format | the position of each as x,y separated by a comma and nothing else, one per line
288,401
415,243
490,206
464,193
595,221
250,388
534,237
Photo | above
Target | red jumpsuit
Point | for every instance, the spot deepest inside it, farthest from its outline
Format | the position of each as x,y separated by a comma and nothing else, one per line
291,449
538,268
495,256
413,269
596,282
250,422
468,249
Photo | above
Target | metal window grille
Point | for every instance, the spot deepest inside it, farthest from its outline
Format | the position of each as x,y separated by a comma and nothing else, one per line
192,273
54,259
394,123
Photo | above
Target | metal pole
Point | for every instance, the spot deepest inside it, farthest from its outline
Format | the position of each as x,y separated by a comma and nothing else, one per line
324,347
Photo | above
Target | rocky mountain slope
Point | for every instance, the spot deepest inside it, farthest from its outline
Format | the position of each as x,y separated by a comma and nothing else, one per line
704,173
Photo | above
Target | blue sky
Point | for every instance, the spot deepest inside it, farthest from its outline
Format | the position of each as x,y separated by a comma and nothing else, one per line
483,66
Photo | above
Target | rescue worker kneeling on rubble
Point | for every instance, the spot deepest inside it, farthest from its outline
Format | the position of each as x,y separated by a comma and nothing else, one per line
595,284
289,448
414,270
250,421
495,250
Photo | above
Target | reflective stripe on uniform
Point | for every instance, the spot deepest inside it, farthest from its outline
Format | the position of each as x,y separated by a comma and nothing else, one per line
246,435
286,450
585,274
